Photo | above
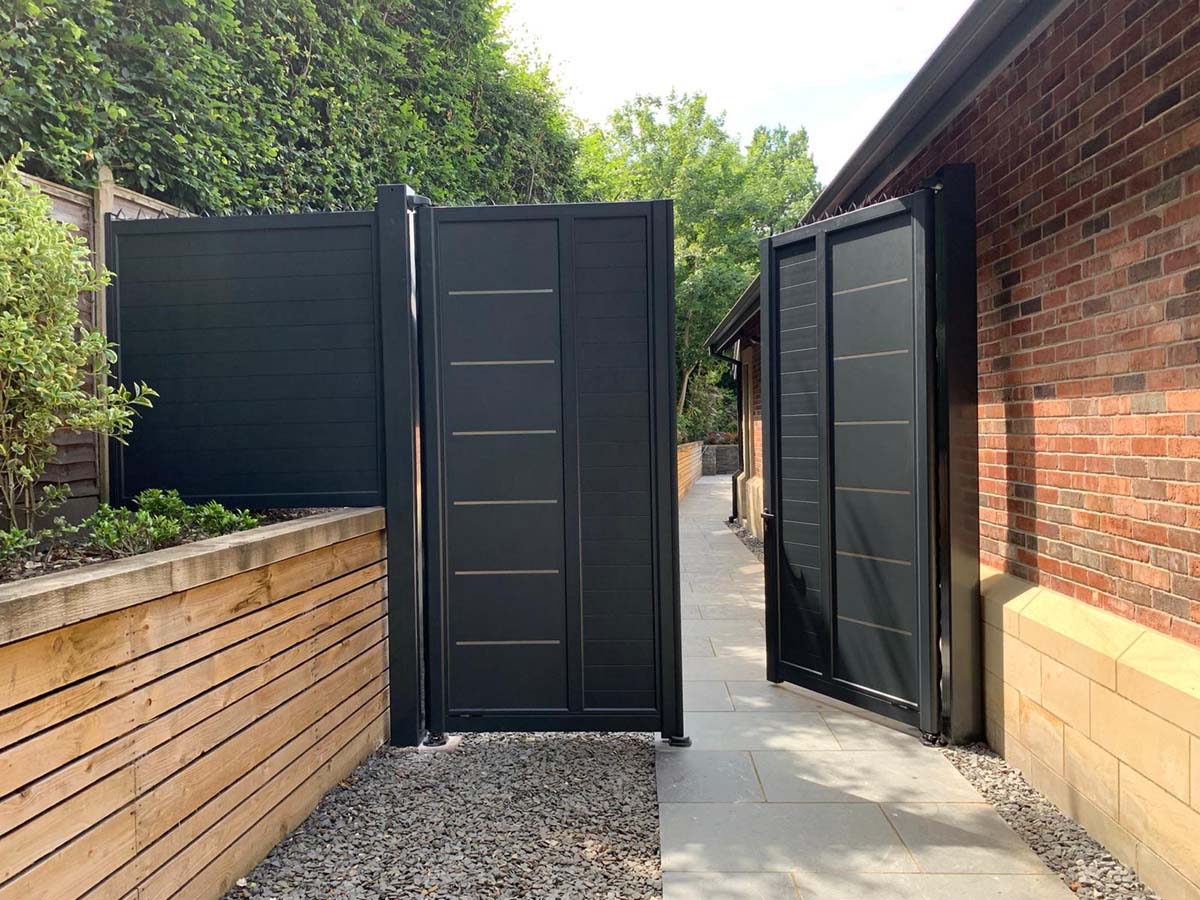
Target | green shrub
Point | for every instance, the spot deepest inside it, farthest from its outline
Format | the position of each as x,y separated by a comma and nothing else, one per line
124,532
212,519
54,372
161,519
15,544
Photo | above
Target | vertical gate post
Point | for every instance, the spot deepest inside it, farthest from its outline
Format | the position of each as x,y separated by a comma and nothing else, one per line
958,453
433,589
662,302
397,321
766,331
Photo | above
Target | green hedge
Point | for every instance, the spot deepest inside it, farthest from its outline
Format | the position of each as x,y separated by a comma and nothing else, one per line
228,105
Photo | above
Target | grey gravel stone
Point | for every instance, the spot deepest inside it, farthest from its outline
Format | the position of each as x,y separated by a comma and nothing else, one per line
753,544
503,816
1064,846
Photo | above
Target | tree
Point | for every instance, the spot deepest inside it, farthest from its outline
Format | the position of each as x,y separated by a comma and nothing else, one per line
726,199
231,105
53,373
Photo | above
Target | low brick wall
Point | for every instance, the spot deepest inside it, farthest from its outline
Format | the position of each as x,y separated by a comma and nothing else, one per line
689,465
1102,715
167,718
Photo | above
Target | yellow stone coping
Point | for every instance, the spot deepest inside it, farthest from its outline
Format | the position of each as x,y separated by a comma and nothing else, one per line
52,601
1155,671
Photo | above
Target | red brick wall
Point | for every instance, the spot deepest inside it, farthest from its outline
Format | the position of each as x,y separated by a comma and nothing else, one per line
752,365
1087,150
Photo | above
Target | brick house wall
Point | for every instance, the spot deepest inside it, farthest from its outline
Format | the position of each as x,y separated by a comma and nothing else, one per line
752,361
1087,148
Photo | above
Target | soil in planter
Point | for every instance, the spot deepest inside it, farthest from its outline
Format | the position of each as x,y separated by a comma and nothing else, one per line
66,554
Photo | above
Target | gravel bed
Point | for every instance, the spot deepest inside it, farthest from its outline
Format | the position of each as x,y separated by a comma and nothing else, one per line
1063,845
753,544
503,815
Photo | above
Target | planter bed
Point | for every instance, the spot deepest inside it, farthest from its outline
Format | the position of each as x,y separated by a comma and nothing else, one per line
165,718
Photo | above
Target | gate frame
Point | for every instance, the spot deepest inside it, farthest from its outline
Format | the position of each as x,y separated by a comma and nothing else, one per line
664,480
948,633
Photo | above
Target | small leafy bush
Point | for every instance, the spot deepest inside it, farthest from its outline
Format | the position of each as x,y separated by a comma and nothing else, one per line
212,519
124,532
54,371
161,519
15,545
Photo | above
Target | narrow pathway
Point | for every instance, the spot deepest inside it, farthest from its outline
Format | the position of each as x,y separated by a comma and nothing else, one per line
785,796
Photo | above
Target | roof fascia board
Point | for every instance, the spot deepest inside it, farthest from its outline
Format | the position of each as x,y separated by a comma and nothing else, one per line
987,38
726,332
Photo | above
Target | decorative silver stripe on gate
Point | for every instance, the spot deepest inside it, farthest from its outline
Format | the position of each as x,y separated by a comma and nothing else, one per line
886,559
500,431
862,355
503,362
867,490
867,287
506,291
797,260
506,572
501,502
874,422
503,643
874,625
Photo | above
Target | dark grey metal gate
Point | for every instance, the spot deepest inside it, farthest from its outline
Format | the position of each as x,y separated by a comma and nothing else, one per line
850,325
548,464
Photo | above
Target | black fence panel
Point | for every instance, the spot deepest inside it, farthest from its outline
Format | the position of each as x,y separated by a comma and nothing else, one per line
261,336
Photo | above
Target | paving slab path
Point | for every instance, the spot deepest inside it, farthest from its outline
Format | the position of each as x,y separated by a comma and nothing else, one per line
784,794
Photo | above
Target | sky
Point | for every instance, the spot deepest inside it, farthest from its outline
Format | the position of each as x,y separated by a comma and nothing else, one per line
831,66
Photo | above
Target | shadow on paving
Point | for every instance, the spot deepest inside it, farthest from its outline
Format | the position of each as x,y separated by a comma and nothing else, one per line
503,815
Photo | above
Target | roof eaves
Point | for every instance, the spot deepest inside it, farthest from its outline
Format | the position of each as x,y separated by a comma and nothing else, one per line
985,40
742,311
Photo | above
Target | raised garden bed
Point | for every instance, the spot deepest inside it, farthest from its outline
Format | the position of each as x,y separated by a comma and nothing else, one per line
167,717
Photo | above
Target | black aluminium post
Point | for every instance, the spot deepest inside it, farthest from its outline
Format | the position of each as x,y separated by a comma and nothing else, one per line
958,452
432,551
663,306
397,322
925,440
766,368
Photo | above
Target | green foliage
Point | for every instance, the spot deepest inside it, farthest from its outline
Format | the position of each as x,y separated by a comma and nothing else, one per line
54,373
727,197
15,545
124,532
161,519
220,105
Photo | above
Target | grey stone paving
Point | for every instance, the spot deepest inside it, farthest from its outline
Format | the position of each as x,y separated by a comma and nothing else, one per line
786,795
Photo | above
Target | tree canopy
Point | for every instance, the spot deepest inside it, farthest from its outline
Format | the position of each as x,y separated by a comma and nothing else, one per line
727,197
220,105
261,105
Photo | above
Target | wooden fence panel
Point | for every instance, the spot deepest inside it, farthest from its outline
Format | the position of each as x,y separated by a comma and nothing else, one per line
81,458
690,464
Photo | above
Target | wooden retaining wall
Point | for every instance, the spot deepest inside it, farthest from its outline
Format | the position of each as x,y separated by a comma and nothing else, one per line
689,464
166,719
